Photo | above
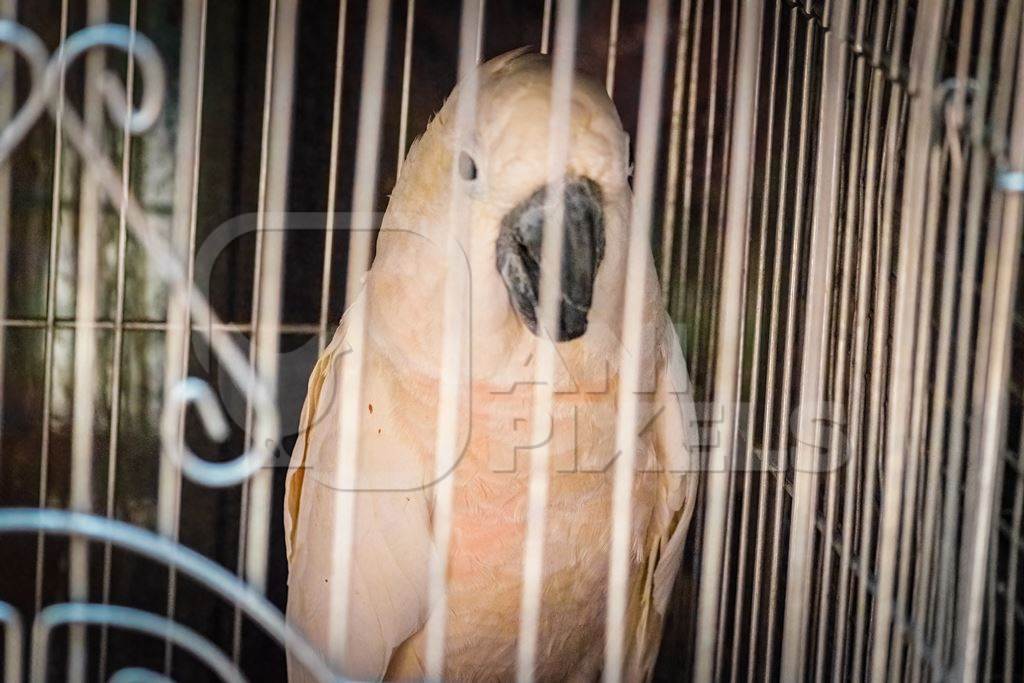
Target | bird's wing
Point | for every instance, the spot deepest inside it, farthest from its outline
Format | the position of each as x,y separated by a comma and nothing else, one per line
675,442
391,540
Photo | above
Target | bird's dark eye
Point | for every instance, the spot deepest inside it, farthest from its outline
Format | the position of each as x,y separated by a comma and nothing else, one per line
467,167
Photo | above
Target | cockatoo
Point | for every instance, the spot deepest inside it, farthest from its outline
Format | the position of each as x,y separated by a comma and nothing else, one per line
503,173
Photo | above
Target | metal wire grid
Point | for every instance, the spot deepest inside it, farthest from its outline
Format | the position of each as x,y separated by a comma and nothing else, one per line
870,276
847,145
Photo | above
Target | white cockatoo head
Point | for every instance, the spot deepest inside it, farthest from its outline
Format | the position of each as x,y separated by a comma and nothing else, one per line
501,171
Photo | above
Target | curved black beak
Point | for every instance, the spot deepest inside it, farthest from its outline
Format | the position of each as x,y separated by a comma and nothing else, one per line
519,256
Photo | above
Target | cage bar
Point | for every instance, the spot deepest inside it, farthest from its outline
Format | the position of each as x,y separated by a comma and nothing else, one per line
837,207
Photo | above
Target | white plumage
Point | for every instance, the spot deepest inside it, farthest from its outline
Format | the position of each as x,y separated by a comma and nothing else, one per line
402,302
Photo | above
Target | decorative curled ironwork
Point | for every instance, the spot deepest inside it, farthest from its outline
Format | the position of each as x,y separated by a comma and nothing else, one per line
160,549
45,73
13,636
134,674
1010,181
132,619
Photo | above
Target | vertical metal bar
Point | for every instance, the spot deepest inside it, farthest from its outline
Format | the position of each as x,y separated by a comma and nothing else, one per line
1012,570
727,561
773,354
118,342
455,348
933,168
638,261
674,141
8,10
879,164
837,459
756,363
244,514
332,173
550,291
1004,263
900,395
613,48
989,607
403,117
813,364
545,31
254,544
955,113
974,501
788,354
51,301
85,355
183,235
360,242
480,23
268,315
691,134
977,187
854,436
748,459
14,631
847,450
711,303
712,107
739,183
896,58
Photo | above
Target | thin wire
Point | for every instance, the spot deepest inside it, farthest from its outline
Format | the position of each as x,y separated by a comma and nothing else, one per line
363,204
118,343
51,302
547,319
638,274
454,375
332,173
